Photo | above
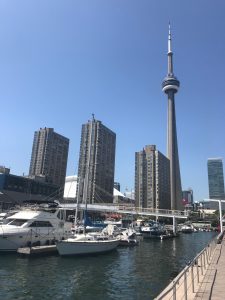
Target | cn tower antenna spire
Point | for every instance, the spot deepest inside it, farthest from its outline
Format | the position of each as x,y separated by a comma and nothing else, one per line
170,54
169,40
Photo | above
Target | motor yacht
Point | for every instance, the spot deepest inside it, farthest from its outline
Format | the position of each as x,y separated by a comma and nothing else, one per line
33,226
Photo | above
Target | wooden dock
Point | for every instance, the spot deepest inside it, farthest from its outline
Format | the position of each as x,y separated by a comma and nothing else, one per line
38,250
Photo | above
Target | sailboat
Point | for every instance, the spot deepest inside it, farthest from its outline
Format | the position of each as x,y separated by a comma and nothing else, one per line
88,243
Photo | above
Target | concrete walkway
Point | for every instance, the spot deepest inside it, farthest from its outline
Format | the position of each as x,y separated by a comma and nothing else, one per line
213,284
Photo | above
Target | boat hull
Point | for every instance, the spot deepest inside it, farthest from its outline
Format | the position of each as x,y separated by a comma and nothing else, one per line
85,247
149,235
12,240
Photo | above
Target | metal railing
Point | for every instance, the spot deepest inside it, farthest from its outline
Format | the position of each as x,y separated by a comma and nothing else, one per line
128,209
187,281
156,211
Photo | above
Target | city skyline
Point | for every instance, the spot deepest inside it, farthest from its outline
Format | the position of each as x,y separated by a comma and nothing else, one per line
58,66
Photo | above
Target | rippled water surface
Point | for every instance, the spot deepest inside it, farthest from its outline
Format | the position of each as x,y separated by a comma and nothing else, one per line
140,272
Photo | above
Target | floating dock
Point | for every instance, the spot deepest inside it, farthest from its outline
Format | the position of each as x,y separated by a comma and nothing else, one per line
38,250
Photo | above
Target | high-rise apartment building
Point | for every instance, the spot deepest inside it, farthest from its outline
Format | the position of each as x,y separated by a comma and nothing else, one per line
215,178
187,198
96,163
170,86
117,186
152,179
49,156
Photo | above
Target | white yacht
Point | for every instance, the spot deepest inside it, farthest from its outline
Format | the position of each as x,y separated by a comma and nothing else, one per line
33,226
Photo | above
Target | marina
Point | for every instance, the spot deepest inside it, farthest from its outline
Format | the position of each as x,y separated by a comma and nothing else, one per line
111,180
140,272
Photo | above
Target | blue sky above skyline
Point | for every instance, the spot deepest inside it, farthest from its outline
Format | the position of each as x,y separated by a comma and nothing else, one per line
61,61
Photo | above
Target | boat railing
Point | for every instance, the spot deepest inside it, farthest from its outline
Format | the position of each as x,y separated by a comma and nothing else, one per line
186,284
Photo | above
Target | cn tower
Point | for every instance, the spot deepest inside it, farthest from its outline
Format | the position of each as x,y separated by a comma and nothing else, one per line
170,86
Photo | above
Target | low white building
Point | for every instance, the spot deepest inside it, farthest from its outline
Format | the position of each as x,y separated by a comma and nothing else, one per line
70,187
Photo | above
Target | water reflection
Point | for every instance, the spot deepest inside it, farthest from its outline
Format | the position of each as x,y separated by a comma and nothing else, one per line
129,273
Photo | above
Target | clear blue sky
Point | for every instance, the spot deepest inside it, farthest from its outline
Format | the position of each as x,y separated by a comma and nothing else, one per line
61,61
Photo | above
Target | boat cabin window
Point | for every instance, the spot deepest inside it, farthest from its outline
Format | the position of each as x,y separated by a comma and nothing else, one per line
61,215
40,224
17,222
7,221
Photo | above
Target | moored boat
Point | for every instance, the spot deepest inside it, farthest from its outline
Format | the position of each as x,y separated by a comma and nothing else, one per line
187,228
33,226
128,237
153,229
88,243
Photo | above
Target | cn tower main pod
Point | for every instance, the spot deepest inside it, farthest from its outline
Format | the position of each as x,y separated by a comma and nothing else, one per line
170,86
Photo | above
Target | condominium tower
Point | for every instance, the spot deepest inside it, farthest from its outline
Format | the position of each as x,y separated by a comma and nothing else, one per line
96,163
152,179
215,178
170,86
49,156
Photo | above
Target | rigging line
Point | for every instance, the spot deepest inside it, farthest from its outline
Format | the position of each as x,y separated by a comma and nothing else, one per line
53,194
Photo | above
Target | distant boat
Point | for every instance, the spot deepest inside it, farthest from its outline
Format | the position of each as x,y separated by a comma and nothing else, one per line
187,228
153,230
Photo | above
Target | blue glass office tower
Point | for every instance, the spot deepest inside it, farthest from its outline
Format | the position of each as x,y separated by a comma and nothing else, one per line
215,178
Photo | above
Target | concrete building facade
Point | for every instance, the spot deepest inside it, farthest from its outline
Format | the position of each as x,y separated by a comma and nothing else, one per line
152,179
96,163
49,156
15,190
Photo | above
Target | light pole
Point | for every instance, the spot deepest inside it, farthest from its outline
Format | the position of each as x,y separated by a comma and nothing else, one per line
220,210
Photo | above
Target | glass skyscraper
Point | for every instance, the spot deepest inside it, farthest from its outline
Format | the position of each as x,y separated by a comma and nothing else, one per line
215,178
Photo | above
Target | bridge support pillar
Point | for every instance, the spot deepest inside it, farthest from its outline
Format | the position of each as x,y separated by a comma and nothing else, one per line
174,225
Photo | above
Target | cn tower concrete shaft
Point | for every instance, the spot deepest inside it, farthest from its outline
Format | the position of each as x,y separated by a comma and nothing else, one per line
170,86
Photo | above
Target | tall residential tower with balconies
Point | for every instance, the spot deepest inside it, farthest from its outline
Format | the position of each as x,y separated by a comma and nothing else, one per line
152,179
96,163
49,156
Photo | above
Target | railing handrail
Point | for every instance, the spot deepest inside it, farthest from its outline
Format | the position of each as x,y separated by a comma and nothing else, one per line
186,269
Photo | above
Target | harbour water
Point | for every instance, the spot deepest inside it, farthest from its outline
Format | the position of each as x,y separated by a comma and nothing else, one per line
140,272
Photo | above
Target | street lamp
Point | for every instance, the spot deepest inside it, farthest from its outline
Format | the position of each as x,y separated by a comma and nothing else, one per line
220,210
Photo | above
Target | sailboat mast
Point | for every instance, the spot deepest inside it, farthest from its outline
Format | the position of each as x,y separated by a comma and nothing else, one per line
78,198
86,179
